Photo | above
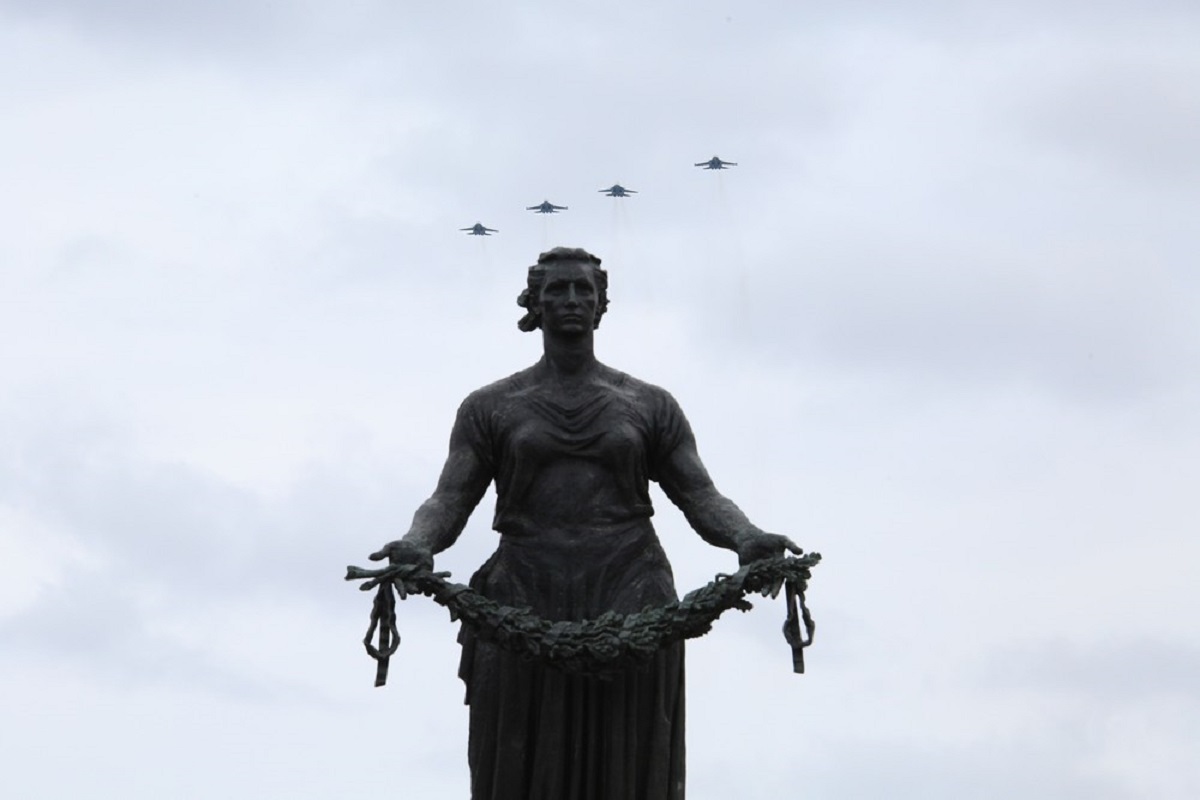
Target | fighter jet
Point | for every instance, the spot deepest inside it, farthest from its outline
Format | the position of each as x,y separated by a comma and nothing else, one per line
716,163
617,190
546,207
479,230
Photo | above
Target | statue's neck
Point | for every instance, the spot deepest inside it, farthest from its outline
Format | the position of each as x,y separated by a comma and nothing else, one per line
568,357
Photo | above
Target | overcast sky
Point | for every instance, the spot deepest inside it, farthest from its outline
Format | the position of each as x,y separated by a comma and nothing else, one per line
939,324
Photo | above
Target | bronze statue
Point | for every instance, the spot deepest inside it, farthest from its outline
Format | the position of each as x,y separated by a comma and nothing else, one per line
572,445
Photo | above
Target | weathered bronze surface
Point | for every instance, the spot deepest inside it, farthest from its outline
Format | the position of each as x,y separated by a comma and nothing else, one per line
571,445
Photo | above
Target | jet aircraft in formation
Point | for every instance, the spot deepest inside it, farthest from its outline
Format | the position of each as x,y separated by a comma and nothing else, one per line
545,207
478,229
616,190
716,163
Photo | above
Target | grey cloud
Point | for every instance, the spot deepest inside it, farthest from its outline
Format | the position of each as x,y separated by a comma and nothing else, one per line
168,28
1129,111
916,221
98,624
1036,768
956,322
1124,670
160,525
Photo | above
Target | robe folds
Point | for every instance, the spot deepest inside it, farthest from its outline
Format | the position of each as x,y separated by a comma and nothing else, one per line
573,512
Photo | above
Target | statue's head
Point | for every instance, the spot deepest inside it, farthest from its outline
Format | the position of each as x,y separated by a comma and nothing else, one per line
531,298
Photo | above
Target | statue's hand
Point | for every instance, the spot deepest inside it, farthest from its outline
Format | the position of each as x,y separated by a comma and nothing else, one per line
755,546
402,552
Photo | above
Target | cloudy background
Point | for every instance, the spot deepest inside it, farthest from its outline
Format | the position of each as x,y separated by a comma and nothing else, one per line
940,324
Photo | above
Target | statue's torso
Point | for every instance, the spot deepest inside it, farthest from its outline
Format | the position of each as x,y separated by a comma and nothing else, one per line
572,462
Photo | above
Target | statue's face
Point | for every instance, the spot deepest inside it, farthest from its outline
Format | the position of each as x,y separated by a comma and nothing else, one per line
569,298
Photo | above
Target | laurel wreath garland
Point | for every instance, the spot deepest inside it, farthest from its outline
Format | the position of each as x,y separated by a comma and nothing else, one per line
597,646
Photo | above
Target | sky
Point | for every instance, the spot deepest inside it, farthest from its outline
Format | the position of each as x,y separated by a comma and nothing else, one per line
938,324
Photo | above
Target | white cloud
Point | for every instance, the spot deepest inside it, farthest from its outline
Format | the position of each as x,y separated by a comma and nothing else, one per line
936,324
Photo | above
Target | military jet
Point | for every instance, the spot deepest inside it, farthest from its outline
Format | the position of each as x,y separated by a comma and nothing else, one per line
546,207
479,230
716,163
617,190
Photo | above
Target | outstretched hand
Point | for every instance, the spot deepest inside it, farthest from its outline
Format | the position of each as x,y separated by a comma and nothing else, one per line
755,546
402,552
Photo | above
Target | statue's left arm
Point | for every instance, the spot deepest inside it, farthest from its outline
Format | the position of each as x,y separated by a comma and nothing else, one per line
711,514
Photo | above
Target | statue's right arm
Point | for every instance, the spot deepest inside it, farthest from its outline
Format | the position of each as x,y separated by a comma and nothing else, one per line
438,522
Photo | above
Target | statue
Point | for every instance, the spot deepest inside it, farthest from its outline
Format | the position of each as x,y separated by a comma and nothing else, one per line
572,445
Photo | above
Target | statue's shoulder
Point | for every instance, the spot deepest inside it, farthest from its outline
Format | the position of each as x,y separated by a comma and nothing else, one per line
642,392
502,390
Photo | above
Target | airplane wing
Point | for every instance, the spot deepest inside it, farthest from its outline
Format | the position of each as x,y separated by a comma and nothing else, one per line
558,208
704,164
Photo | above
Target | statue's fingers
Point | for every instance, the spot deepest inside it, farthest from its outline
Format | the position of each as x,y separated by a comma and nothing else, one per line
793,547
379,555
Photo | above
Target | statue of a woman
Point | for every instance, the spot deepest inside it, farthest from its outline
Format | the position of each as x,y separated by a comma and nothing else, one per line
572,446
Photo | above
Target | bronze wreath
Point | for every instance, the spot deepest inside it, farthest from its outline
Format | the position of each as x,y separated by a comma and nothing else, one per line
607,643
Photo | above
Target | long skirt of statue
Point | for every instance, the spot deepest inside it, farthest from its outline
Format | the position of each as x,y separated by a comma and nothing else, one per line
541,734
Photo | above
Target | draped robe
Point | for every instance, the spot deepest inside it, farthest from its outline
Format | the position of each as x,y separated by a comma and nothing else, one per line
573,511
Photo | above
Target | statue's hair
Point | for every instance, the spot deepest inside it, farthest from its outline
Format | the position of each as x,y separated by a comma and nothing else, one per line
528,299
